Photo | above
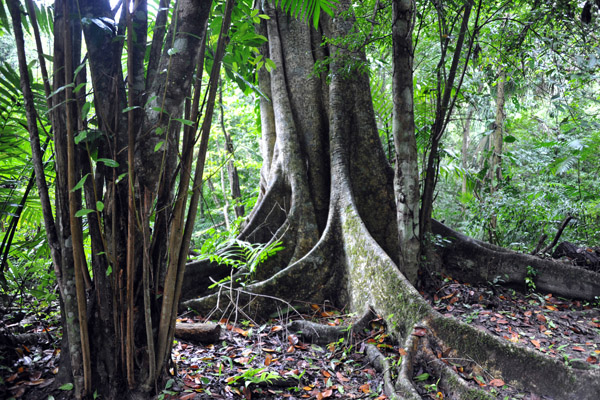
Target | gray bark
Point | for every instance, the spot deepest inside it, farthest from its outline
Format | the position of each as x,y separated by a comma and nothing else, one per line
406,178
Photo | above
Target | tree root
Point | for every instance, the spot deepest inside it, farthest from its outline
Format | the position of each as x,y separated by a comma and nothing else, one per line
475,261
278,291
373,283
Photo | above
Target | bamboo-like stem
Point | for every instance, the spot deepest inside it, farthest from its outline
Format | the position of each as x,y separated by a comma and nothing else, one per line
38,45
129,342
178,254
76,233
146,290
181,200
34,139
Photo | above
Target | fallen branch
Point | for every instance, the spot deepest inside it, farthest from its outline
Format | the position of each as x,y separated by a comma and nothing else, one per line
562,227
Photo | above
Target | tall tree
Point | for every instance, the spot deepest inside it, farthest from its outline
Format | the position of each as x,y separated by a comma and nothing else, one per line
329,197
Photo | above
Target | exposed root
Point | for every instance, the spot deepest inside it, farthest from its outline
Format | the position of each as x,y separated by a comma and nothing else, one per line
476,261
290,284
382,365
323,334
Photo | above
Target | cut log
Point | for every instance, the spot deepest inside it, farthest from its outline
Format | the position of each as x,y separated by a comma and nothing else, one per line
198,332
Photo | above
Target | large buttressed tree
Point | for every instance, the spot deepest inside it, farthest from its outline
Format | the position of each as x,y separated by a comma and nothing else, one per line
327,193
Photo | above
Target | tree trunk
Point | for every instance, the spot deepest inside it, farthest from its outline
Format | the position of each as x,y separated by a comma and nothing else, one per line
495,171
329,196
406,177
232,172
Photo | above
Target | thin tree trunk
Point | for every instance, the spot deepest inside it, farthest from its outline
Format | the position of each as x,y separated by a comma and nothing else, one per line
225,199
443,112
495,171
34,139
232,172
406,180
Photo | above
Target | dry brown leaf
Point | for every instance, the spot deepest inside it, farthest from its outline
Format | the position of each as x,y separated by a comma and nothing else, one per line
496,382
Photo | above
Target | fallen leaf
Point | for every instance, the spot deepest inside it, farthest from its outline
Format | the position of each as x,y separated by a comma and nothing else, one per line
341,377
365,388
541,318
578,348
327,393
496,382
268,359
35,382
479,380
535,343
293,339
402,352
420,332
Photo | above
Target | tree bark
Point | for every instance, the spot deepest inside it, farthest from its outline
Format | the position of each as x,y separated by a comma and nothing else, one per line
495,171
406,179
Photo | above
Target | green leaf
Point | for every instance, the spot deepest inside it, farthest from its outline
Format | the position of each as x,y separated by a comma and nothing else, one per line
316,15
79,68
108,162
109,270
509,139
80,184
158,146
66,386
127,109
79,138
83,212
184,121
99,206
85,109
60,89
422,377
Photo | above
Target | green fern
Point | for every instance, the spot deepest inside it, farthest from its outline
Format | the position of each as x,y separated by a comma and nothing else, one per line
307,9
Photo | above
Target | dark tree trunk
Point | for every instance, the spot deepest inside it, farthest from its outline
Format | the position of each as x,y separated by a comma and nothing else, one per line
328,195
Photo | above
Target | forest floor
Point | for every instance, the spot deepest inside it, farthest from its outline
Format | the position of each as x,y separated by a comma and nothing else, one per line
267,361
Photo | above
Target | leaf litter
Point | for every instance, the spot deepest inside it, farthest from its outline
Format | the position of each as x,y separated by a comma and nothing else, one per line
253,361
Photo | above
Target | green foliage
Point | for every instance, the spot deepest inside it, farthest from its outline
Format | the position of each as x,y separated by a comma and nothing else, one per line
240,254
549,162
531,274
254,375
307,9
